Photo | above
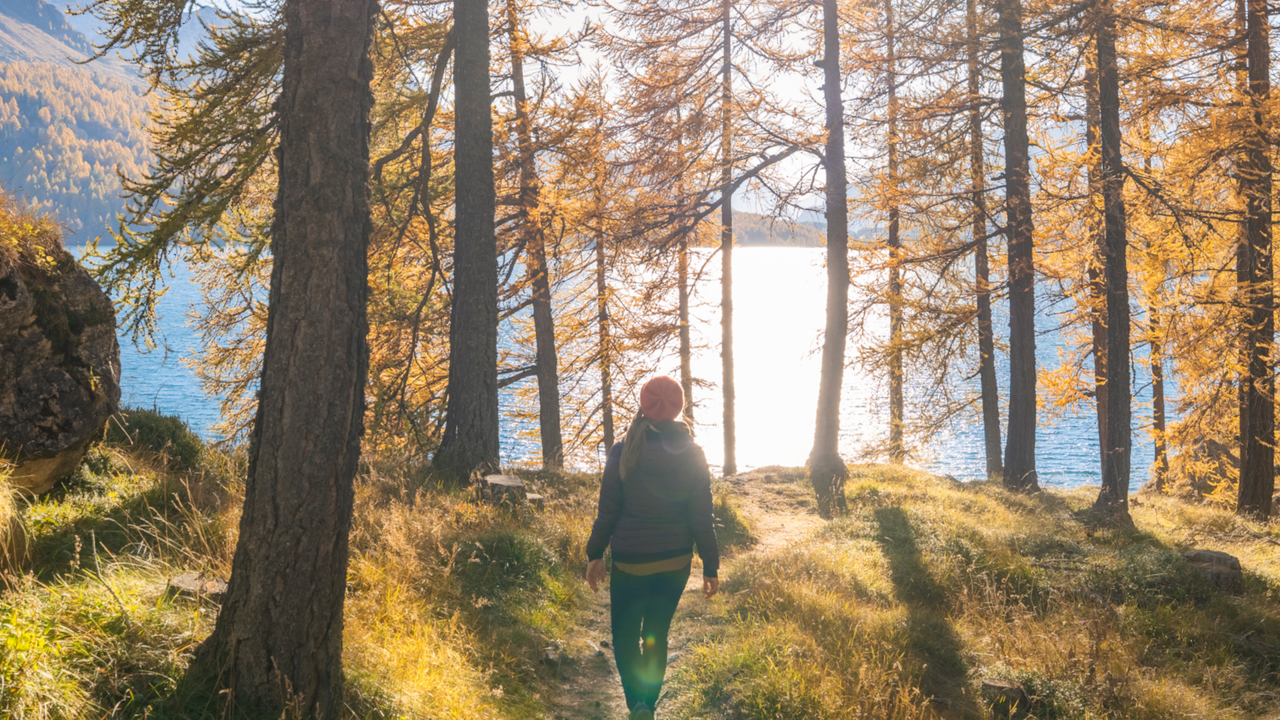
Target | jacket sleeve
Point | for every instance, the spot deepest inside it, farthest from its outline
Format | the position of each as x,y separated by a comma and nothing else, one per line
702,520
609,508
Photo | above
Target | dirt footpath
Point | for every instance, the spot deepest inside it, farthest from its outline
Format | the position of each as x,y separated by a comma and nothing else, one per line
780,508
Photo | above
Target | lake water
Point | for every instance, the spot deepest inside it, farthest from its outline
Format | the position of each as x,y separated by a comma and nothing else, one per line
779,298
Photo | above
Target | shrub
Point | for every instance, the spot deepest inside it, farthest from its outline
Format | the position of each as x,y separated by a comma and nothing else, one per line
164,434
733,531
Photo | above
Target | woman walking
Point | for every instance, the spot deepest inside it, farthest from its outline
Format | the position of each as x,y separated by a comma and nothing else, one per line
655,505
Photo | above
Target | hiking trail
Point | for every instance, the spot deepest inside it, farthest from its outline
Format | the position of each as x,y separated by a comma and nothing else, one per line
779,506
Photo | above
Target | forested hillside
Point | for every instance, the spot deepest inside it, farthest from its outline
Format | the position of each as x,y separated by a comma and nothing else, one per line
64,132
65,128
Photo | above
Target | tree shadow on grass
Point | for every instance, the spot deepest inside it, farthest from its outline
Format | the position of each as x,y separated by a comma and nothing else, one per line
931,640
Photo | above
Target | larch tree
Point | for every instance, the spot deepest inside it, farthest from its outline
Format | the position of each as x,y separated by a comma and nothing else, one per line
277,643
1020,448
897,453
292,548
1257,407
534,239
826,468
1113,497
470,442
697,136
991,434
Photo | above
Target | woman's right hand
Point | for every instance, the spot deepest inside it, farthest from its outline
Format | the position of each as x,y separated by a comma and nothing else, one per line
595,574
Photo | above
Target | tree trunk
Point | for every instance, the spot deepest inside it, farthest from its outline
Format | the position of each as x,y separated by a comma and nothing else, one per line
544,329
686,341
986,336
602,318
726,248
1257,441
896,410
1097,276
1020,452
1161,465
470,442
277,644
826,469
1113,498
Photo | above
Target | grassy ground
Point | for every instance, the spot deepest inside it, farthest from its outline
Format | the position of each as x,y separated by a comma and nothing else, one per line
902,609
929,588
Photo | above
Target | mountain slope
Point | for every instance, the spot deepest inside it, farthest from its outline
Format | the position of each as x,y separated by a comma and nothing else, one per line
34,31
66,129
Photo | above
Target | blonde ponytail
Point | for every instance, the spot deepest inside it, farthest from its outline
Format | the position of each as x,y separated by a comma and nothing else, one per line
633,444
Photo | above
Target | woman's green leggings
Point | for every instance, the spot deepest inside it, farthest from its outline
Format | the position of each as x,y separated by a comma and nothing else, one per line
641,608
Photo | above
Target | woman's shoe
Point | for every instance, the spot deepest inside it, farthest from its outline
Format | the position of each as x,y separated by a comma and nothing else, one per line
641,712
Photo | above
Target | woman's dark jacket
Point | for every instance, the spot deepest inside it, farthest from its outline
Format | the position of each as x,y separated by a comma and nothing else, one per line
664,506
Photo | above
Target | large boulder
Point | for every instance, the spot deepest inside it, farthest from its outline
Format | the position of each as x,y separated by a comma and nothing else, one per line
59,359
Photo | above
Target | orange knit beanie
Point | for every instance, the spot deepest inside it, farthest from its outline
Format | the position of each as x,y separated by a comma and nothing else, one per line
661,399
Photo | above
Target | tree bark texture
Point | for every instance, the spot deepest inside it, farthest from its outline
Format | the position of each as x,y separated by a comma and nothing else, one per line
1020,450
1257,442
470,442
1094,221
1113,498
534,235
277,645
896,403
986,336
726,247
826,469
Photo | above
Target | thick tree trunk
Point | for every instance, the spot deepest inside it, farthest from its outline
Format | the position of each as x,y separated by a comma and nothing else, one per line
726,248
544,329
1097,276
896,409
1113,498
278,639
1258,436
986,336
1020,451
826,469
470,442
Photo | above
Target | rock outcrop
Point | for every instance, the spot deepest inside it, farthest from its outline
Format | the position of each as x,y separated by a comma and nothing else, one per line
59,359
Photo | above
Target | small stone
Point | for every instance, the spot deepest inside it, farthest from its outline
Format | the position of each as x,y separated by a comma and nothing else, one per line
196,585
536,500
604,643
1006,699
1220,569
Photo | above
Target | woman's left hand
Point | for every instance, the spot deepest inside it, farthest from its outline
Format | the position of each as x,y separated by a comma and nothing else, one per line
710,586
